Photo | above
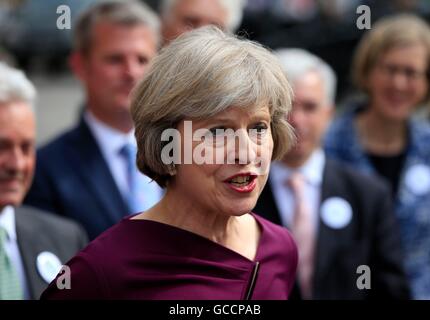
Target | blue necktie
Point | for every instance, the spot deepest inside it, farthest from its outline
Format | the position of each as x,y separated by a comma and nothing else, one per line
142,193
128,152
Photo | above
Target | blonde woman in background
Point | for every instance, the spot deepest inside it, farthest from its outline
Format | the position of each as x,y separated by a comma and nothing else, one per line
380,136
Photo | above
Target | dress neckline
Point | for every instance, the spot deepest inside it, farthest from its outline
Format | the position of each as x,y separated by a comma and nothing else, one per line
166,226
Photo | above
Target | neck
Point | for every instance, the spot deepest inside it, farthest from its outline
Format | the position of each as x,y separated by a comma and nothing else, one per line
380,134
295,162
177,211
120,121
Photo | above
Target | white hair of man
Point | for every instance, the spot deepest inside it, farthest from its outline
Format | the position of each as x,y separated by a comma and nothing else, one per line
297,62
234,8
15,86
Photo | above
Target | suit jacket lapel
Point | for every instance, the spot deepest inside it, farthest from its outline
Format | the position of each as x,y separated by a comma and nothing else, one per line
266,205
326,243
94,170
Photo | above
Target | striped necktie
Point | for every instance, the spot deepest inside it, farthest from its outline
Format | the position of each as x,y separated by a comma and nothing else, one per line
10,287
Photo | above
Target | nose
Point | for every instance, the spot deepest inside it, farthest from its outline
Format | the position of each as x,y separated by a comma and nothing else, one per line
400,80
297,117
241,148
201,23
15,160
134,69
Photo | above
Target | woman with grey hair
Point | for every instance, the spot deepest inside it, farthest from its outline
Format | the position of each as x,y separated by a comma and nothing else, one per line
203,93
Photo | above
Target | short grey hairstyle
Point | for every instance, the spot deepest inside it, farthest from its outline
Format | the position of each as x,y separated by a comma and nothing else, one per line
188,83
15,86
234,8
127,13
297,62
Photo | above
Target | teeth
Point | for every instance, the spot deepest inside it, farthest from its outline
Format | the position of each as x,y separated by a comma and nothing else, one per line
240,179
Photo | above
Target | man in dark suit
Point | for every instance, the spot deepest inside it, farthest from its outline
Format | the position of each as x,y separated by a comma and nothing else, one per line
343,222
89,173
33,244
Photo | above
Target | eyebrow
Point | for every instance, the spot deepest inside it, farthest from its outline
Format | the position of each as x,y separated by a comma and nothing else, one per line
25,140
254,115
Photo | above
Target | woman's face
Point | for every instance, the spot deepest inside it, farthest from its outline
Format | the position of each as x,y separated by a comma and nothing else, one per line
398,82
230,162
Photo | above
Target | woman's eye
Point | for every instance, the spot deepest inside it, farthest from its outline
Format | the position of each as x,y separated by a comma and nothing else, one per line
260,128
217,131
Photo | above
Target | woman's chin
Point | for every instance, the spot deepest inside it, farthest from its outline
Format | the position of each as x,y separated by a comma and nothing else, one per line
240,208
396,111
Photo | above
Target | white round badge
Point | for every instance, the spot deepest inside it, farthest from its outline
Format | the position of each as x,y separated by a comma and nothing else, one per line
417,179
48,265
336,212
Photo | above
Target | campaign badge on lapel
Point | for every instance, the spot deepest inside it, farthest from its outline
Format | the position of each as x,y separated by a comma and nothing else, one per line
336,212
417,179
48,265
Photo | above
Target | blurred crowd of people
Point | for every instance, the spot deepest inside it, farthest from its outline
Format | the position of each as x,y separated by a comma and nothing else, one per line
353,190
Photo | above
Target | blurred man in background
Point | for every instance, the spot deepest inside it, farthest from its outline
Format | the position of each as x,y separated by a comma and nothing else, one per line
341,220
33,244
89,173
179,16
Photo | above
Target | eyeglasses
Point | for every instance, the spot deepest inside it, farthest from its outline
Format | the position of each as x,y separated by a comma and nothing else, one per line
411,74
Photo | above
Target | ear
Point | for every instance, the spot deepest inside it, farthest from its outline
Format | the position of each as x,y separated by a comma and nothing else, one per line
330,112
77,64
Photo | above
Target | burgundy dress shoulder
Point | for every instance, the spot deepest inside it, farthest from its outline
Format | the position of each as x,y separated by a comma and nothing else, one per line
143,259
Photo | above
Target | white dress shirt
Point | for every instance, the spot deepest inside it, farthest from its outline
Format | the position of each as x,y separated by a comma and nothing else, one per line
110,142
312,171
7,222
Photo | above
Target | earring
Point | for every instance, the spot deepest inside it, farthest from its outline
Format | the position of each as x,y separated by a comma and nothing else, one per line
172,170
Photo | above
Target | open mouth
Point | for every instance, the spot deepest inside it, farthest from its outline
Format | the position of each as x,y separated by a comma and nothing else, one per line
9,182
244,182
396,98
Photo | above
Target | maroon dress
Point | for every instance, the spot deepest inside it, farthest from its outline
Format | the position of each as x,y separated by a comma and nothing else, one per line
143,259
